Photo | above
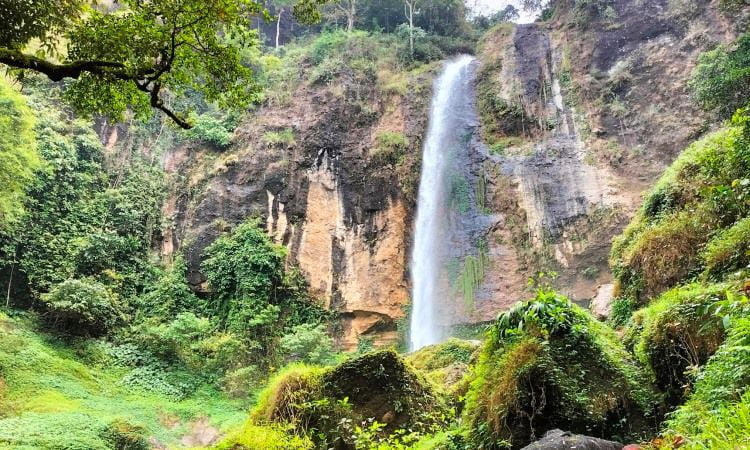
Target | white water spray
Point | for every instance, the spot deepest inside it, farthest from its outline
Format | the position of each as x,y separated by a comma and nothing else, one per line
448,100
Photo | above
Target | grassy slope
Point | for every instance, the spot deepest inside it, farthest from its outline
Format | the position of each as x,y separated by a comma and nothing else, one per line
49,399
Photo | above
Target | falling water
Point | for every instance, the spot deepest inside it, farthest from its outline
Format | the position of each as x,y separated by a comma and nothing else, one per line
449,101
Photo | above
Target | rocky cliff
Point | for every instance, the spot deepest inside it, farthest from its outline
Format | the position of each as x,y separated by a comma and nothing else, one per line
333,173
578,116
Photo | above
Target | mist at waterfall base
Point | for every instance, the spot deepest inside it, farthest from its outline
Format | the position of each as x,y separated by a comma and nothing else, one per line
451,98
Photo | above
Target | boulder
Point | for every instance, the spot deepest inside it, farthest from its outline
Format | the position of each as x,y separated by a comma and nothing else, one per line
601,304
563,440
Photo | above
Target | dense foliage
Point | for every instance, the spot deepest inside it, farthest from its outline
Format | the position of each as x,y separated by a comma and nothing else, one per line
18,153
134,58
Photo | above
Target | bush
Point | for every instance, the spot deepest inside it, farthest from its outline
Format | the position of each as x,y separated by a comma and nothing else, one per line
308,343
212,130
716,415
18,149
171,294
327,404
83,307
390,147
685,225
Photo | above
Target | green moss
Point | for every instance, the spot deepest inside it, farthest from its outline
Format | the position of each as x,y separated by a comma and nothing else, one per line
548,364
446,364
255,437
442,355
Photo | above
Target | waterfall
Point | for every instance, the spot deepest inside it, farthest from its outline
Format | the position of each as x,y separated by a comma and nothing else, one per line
450,99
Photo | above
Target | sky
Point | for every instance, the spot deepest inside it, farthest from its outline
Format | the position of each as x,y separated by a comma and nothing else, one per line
496,5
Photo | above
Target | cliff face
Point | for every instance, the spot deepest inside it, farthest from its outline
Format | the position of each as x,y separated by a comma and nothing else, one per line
330,186
578,115
581,114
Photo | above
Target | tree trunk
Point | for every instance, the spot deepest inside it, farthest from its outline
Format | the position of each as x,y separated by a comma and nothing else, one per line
278,26
351,13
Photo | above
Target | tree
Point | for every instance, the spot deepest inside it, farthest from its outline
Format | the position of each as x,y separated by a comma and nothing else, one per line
509,14
18,152
131,58
349,8
409,6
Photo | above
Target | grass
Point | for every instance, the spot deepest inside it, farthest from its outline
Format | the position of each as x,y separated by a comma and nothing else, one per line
51,399
729,250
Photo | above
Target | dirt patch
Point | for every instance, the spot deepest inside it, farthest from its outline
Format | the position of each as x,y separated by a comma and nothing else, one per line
202,434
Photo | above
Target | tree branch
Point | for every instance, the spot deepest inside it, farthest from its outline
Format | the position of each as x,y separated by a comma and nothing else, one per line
56,72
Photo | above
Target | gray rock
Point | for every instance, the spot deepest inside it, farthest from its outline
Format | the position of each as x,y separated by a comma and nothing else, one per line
601,304
563,440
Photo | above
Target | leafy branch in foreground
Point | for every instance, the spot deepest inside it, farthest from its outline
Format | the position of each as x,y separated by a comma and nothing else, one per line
129,58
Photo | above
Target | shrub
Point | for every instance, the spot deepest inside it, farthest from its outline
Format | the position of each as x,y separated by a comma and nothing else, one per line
124,436
278,138
308,343
82,307
171,294
212,130
716,415
19,153
721,80
390,147
326,404
685,224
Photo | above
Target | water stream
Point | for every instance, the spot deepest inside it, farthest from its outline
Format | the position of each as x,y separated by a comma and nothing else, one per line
450,111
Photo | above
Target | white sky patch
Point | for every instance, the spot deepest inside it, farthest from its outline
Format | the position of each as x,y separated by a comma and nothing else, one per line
490,6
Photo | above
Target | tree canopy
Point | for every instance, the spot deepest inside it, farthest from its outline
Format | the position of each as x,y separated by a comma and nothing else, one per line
137,55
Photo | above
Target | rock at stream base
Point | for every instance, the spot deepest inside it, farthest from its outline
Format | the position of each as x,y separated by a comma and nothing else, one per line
563,440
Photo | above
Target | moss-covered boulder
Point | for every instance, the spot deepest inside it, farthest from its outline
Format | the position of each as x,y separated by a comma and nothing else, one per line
327,404
447,364
675,335
548,364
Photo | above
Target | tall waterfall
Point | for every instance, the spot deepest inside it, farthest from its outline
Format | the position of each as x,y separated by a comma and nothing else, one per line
450,100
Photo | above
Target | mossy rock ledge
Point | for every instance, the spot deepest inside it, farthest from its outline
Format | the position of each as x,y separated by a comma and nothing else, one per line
326,404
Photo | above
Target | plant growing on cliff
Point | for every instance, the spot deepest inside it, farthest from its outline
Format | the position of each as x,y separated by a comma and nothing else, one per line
546,363
252,296
721,80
